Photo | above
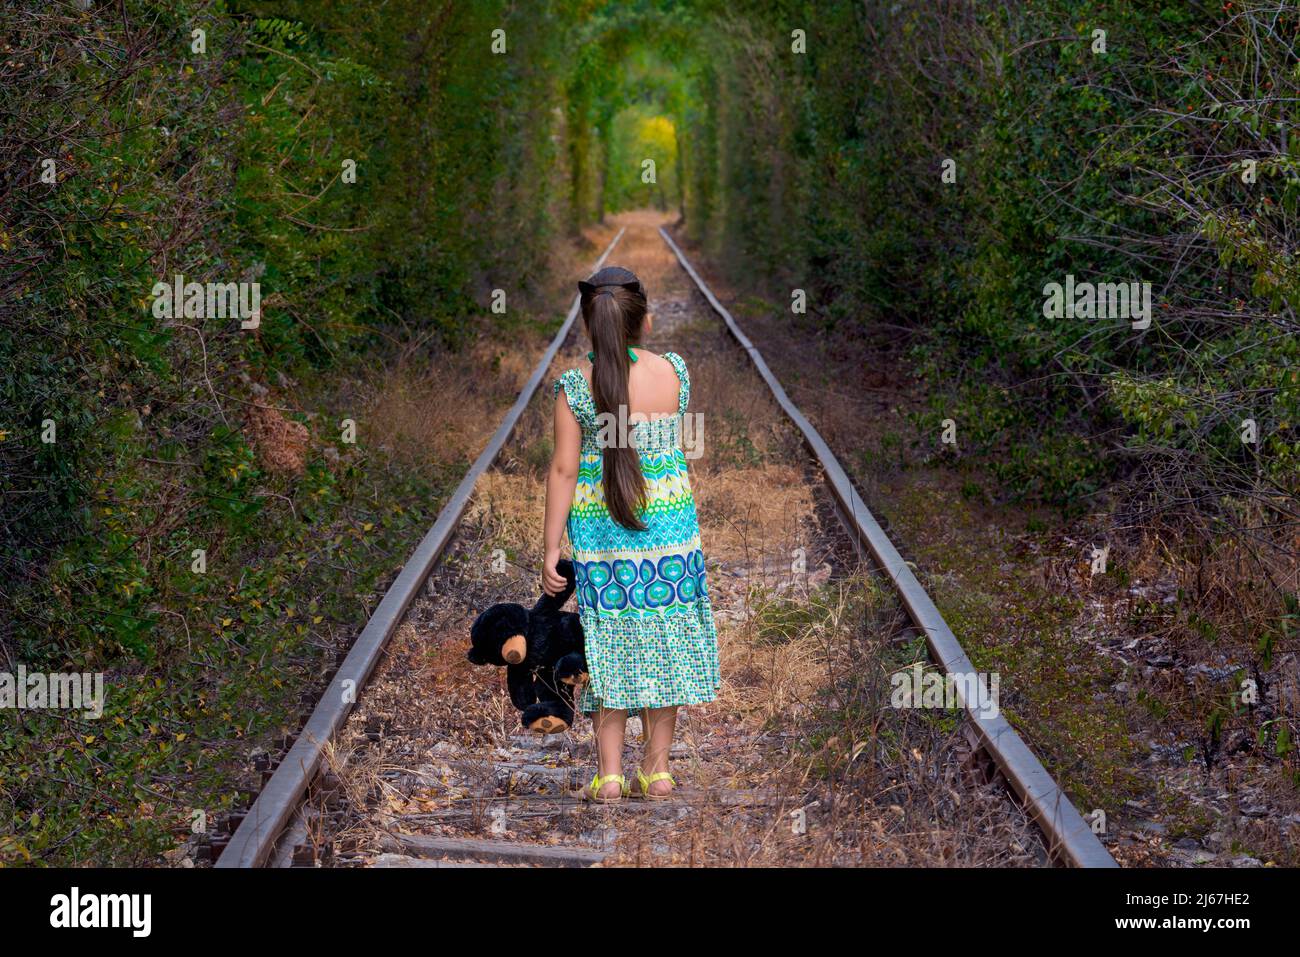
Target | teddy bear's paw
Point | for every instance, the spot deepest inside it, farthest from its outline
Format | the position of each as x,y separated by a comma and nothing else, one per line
549,724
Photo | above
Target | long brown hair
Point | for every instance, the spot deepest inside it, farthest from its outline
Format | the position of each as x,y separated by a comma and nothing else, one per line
614,312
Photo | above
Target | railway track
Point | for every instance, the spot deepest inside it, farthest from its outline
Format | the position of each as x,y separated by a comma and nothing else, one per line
435,793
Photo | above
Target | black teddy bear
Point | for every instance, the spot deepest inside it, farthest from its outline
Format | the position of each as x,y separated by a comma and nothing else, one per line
542,651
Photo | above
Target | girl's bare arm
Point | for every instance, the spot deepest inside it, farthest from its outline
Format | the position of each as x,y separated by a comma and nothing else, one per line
561,480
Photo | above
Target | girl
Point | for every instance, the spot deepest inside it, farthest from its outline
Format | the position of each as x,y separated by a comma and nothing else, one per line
618,481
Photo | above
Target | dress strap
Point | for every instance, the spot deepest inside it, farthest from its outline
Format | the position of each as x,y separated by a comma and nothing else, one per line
579,397
684,393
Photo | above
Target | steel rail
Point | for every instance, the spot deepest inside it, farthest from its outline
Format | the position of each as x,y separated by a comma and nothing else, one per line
1069,835
255,838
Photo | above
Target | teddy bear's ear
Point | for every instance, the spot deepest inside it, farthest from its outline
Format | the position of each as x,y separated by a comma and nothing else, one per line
476,657
586,288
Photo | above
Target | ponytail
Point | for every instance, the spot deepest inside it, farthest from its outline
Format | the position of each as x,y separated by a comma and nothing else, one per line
613,316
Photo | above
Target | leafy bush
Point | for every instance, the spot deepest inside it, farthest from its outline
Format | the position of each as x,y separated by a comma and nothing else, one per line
224,161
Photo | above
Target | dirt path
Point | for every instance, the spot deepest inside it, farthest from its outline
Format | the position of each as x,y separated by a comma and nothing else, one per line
799,761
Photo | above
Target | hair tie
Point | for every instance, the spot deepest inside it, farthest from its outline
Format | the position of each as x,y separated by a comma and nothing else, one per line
591,356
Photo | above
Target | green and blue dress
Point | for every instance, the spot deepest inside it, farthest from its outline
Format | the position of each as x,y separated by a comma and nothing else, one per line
642,596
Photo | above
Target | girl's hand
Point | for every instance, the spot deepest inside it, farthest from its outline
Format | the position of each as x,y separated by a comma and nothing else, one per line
552,581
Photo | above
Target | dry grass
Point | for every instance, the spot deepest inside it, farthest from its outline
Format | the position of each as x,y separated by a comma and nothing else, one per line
418,406
749,508
507,506
280,442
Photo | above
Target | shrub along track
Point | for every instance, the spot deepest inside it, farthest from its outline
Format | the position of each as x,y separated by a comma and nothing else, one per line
801,760
1111,697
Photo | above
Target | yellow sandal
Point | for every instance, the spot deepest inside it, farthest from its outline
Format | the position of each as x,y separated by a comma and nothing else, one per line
592,792
644,784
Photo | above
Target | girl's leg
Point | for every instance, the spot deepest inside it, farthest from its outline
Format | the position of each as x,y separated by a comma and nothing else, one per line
660,723
610,726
